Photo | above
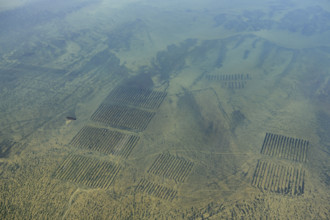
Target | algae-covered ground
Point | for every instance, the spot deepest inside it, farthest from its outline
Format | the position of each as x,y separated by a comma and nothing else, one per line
243,131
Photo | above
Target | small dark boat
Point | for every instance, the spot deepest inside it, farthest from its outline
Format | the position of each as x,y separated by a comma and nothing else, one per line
69,118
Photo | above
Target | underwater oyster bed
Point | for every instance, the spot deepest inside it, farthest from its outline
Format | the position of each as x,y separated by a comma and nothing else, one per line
164,110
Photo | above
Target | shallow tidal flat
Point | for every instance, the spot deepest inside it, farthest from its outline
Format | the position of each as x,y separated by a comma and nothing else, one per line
149,110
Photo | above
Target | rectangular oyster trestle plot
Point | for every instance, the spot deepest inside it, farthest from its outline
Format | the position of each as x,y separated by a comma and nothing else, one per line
171,167
87,171
138,97
279,178
5,147
229,77
285,147
230,81
156,190
105,141
123,117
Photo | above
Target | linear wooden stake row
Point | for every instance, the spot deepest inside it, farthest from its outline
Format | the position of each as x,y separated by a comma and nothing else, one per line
171,167
156,190
105,141
278,178
123,117
87,171
139,97
285,147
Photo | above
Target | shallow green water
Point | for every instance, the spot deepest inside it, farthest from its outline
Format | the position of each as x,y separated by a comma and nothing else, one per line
164,109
